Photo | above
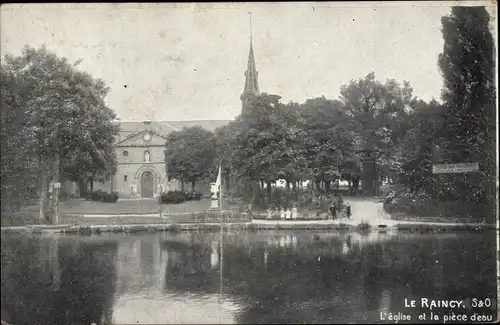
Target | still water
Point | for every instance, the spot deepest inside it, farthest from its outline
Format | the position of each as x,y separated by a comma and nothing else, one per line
267,277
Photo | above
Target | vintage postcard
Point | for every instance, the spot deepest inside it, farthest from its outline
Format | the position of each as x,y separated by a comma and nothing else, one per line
287,162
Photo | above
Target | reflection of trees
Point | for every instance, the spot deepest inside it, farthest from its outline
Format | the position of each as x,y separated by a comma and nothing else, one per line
35,290
317,281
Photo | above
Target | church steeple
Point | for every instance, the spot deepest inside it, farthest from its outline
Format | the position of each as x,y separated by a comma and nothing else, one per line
251,77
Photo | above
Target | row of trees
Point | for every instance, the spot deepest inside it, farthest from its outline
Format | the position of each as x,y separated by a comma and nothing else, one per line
375,130
372,124
55,125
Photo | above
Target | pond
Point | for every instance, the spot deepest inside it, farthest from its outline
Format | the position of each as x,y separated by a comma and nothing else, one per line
267,277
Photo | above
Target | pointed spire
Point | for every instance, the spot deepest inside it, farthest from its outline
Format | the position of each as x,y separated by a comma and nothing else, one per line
251,80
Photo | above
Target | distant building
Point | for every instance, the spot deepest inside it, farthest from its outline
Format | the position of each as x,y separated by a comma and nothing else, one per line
140,146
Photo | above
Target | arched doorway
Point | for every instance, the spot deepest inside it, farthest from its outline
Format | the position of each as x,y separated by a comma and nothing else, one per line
147,184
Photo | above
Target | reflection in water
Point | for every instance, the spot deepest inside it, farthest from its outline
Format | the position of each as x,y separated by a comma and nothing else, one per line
266,277
51,280
214,257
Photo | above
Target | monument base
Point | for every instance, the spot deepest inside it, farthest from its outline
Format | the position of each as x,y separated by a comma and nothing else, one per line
214,205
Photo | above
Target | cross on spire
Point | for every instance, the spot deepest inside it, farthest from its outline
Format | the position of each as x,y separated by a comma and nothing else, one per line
250,14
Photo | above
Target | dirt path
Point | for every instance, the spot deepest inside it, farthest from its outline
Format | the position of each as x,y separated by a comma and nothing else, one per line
367,210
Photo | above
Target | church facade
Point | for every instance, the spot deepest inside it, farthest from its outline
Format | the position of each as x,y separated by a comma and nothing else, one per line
141,170
140,145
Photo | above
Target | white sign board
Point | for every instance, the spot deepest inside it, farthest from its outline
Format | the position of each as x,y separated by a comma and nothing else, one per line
455,168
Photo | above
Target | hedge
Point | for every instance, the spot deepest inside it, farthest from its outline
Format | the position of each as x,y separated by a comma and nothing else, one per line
102,196
174,197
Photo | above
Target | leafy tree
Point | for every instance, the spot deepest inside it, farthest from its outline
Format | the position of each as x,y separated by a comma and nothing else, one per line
328,139
417,148
64,114
18,163
467,65
377,108
224,149
190,154
265,146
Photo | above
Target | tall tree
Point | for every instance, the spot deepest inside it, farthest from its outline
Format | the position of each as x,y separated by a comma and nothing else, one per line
64,113
378,108
225,147
417,148
190,154
328,139
265,146
468,67
18,162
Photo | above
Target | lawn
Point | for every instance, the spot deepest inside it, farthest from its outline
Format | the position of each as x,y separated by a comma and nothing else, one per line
72,211
139,206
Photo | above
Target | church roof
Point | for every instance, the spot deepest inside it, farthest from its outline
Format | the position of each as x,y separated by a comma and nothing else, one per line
163,128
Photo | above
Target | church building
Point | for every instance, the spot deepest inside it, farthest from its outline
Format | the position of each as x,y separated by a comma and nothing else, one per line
140,145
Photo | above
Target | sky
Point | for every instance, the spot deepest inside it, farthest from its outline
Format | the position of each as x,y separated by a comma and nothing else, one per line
187,61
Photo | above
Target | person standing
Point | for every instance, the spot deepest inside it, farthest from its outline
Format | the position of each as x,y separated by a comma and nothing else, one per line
348,210
269,213
288,214
249,211
282,214
294,212
333,210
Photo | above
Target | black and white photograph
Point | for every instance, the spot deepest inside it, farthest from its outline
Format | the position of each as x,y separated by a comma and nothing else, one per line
249,163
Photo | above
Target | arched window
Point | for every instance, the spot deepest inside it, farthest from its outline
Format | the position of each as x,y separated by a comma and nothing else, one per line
147,156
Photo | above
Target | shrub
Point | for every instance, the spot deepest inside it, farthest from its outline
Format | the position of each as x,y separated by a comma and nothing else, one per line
111,197
63,196
192,196
102,196
174,197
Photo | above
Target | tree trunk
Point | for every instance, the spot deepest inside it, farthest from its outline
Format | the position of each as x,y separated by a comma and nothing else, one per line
91,181
369,177
228,180
44,195
262,184
254,189
269,191
193,185
328,187
287,185
56,187
294,186
182,184
318,185
355,185
82,185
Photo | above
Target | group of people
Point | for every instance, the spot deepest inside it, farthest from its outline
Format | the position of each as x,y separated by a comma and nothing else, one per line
337,205
284,213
